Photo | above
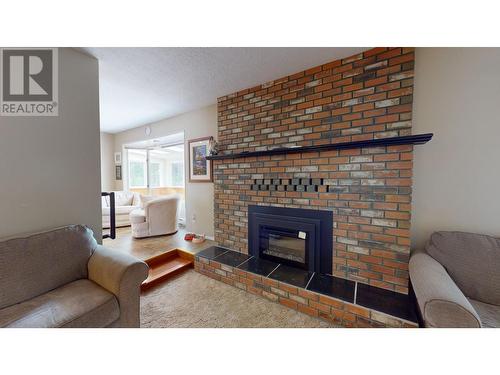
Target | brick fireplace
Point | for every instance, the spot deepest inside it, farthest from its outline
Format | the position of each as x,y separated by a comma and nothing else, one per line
367,189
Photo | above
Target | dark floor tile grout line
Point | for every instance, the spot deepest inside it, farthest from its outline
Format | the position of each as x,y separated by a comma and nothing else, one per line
242,263
355,291
273,270
309,282
227,251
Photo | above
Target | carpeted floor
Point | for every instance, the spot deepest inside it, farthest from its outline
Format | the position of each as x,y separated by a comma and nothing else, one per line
192,300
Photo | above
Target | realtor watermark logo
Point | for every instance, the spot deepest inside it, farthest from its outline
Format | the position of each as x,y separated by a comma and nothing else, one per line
29,82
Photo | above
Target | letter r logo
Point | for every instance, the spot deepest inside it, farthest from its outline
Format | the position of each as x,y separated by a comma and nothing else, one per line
27,75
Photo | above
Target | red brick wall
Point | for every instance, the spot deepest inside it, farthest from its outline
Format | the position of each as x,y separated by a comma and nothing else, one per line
366,96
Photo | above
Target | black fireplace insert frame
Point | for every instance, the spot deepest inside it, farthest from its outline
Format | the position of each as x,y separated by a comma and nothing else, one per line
318,224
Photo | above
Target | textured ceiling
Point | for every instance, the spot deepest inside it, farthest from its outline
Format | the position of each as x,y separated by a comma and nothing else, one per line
142,85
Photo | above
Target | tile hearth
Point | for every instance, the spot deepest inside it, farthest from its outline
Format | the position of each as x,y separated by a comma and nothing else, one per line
344,301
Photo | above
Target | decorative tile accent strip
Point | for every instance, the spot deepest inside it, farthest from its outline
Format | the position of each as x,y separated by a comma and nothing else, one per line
288,184
335,303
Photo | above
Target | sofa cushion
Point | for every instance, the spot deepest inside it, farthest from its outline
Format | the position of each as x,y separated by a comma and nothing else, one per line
122,198
472,261
81,303
119,210
489,314
41,262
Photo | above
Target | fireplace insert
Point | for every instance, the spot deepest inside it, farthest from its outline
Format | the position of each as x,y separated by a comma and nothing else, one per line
297,237
280,244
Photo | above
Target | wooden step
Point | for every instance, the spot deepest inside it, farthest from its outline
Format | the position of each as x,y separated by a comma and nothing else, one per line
166,265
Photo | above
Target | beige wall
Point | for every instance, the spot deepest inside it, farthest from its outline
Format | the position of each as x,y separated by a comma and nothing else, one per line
107,162
49,166
457,174
199,196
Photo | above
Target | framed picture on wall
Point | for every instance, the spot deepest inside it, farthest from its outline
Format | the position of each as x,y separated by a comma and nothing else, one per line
118,158
118,172
200,169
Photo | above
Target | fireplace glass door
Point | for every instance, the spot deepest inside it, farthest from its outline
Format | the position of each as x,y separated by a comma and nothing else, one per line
284,246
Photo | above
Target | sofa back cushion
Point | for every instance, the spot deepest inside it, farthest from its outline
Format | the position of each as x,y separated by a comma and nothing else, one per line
472,261
35,264
122,198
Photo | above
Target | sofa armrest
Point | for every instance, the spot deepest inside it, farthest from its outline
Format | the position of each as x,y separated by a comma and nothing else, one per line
122,275
441,302
136,200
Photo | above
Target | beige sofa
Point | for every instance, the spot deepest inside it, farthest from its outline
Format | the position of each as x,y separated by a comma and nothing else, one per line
63,278
158,217
125,203
456,280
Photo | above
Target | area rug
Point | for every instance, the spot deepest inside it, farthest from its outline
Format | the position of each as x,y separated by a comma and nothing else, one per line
192,300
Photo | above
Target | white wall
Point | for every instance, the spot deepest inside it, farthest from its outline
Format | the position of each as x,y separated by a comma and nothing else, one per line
457,174
107,162
49,166
199,196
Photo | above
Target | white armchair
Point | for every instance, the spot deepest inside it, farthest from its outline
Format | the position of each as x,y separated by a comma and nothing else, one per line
158,217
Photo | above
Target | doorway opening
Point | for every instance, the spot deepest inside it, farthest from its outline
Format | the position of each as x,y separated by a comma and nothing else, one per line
156,168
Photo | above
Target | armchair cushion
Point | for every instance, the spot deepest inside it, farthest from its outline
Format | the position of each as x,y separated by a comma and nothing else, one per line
489,314
137,216
439,299
41,262
472,261
80,303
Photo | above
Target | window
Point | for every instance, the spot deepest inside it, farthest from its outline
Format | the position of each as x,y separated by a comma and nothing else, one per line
178,174
156,168
137,168
137,174
154,174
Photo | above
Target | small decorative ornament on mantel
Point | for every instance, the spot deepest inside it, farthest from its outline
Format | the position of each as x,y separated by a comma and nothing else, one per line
213,147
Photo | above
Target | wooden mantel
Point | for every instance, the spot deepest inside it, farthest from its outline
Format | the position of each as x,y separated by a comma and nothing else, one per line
418,139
